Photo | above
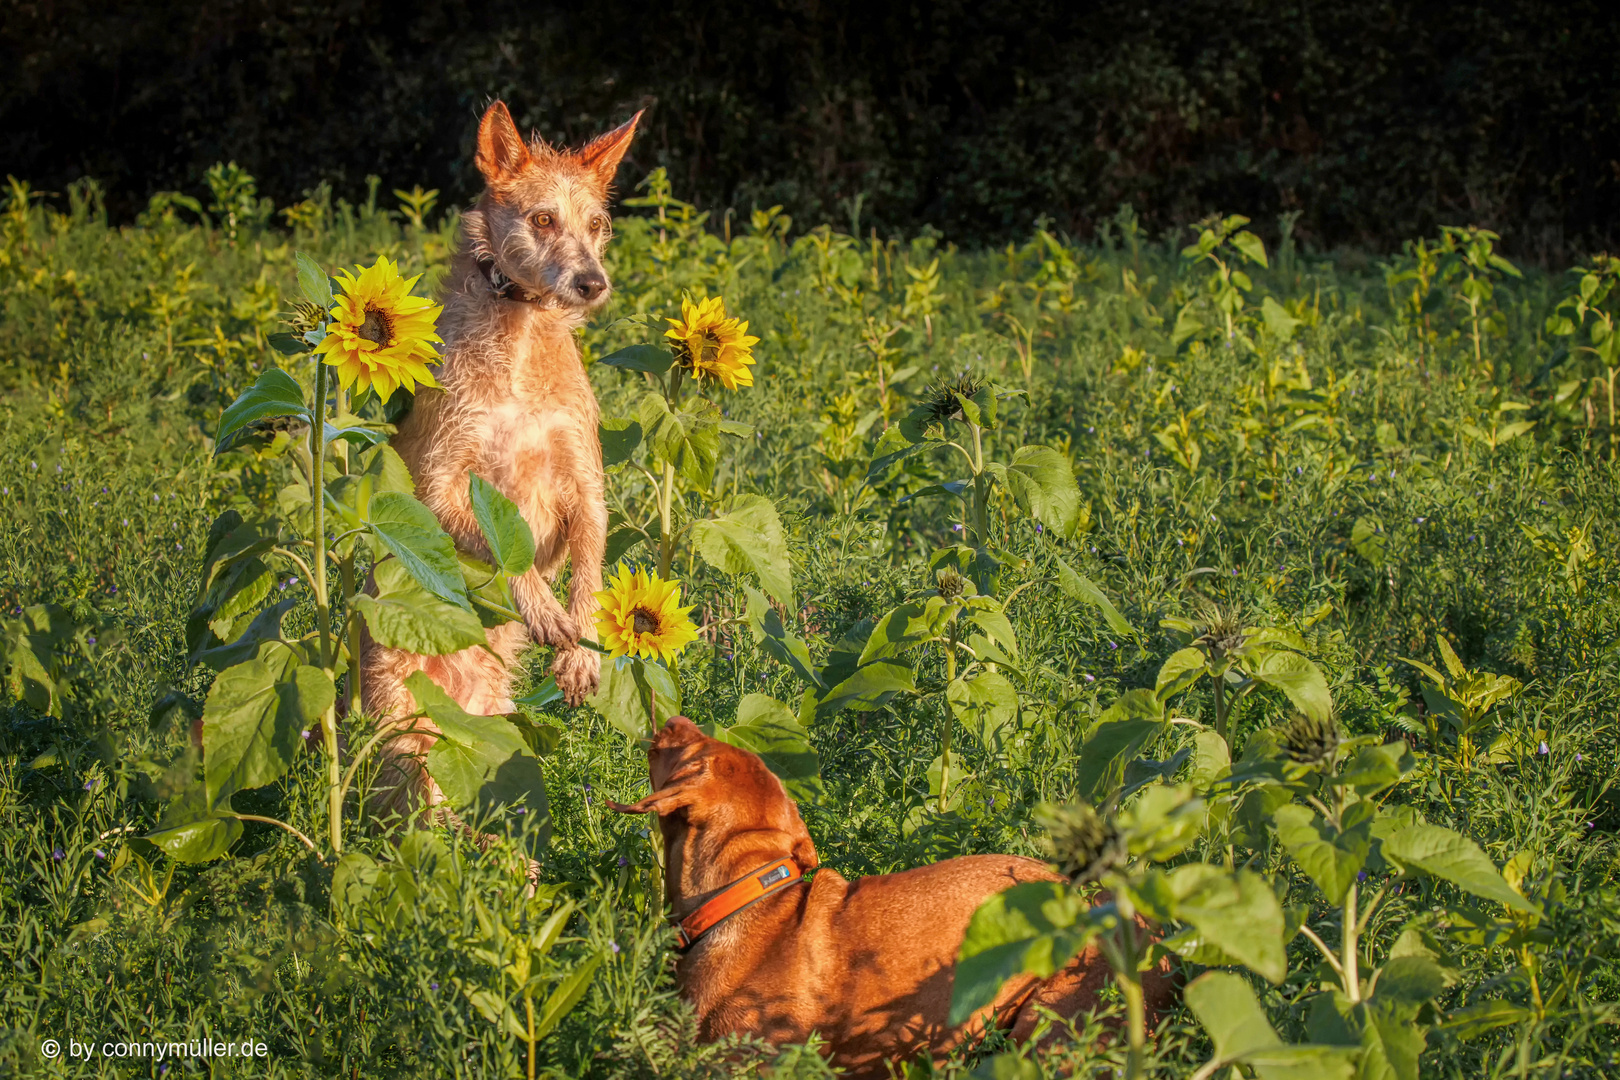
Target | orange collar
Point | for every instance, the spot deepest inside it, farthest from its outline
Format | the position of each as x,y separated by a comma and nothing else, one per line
751,887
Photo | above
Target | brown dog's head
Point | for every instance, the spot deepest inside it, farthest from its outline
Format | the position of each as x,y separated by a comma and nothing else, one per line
711,791
543,217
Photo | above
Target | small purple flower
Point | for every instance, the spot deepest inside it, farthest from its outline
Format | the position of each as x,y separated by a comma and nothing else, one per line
58,855
623,861
520,810
91,639
614,945
1037,528
1091,431
1590,825
1361,875
1088,677
104,489
1111,645
1577,759
100,854
1543,749
587,787
90,785
956,528
304,734
433,986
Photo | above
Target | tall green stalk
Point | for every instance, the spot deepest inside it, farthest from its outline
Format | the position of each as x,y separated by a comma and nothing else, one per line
323,608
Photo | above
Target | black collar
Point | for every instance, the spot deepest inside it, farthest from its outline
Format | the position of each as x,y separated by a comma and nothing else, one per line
502,286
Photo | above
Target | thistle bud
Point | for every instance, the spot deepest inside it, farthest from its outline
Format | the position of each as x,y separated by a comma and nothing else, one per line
1082,843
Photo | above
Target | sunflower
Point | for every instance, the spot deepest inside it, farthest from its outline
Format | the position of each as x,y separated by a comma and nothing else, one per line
641,616
708,343
379,334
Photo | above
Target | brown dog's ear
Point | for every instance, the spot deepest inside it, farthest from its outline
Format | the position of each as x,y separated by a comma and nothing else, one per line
676,794
501,150
804,848
602,154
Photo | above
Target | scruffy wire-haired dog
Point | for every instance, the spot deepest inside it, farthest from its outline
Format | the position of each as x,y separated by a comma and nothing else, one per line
517,409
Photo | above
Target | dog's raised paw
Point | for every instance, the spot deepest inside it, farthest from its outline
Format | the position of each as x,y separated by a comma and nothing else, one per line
578,673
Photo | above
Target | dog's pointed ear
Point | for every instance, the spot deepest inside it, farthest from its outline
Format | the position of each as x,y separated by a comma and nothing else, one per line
602,154
501,150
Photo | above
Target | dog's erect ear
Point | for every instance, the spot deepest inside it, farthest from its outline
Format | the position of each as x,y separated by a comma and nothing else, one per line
602,154
501,150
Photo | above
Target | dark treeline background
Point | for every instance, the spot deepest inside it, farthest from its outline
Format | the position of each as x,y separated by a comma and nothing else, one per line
1376,120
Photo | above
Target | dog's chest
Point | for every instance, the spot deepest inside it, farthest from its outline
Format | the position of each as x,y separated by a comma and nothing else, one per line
531,449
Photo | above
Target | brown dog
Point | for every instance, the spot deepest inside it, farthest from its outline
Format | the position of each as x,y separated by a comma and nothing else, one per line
868,964
516,408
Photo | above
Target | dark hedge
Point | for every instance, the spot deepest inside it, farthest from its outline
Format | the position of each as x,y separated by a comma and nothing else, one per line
1375,120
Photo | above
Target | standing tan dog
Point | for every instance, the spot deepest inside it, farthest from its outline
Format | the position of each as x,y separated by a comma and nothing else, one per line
868,964
516,408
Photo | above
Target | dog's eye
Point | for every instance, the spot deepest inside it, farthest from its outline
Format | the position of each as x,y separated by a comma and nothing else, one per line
542,220
598,223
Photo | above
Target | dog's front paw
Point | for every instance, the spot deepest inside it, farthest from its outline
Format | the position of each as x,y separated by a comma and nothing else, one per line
558,630
578,673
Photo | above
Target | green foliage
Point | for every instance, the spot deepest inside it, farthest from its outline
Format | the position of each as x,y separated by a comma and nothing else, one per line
1178,675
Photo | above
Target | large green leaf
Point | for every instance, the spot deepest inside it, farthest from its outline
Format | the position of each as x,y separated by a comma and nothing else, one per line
769,729
312,281
1179,671
193,830
380,469
403,615
985,703
409,531
905,627
1042,481
1331,858
622,700
1441,853
1079,588
276,393
771,634
1236,911
868,687
688,440
619,438
1121,731
264,626
893,448
1032,928
254,718
652,358
748,538
510,542
1297,677
480,761
1227,1008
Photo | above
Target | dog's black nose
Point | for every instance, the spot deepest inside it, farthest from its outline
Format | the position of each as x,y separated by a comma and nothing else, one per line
590,284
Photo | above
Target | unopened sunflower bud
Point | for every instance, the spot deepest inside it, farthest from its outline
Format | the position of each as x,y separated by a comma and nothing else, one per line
950,584
1311,741
943,404
1082,843
305,317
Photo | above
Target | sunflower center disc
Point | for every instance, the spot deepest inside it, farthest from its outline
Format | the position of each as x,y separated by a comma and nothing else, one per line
377,327
644,621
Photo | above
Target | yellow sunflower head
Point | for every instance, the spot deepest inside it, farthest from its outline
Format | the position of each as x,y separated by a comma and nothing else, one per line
708,344
379,335
641,616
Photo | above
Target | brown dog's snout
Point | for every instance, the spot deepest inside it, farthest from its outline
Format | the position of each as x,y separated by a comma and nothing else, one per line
589,284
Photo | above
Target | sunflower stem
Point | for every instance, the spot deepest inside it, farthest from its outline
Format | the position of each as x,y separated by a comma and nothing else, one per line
945,718
323,609
666,525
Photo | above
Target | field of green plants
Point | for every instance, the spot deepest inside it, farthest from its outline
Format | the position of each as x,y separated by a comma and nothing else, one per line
1273,590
